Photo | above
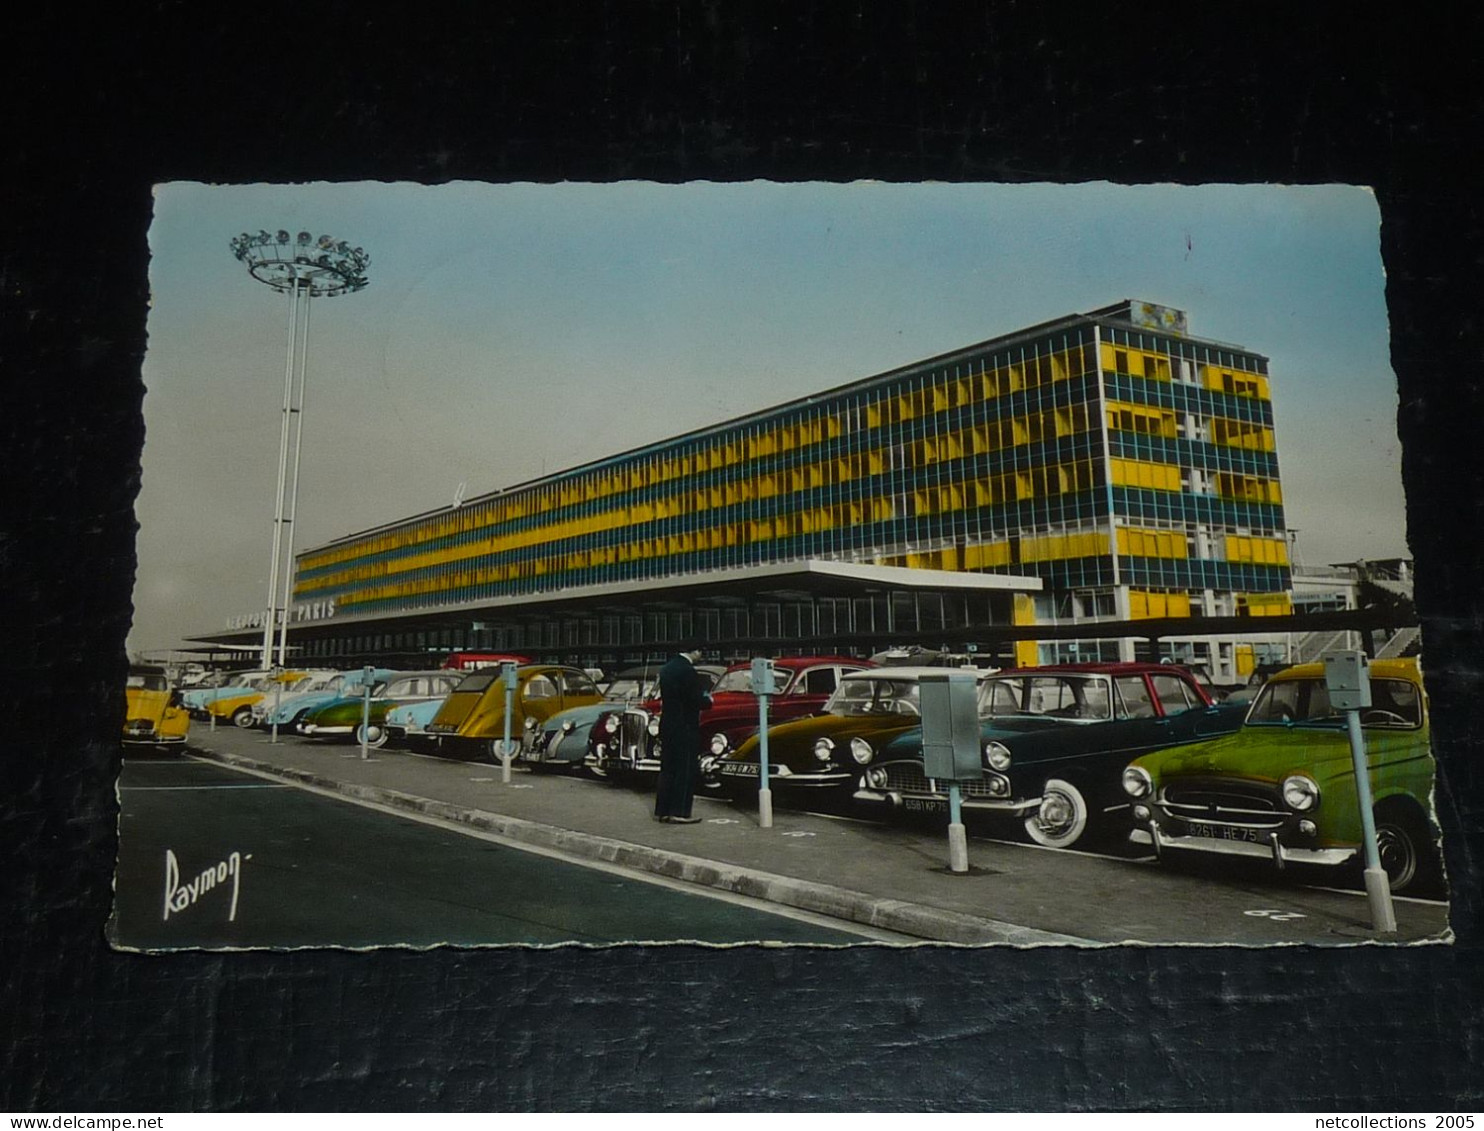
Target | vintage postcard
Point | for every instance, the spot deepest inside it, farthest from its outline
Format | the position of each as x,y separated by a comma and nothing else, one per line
798,564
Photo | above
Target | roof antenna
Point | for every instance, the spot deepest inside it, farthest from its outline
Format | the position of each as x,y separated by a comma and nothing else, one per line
458,493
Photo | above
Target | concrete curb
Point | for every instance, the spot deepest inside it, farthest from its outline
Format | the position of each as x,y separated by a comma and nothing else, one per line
930,924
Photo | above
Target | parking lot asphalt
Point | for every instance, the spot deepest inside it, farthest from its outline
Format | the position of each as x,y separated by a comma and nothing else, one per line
887,876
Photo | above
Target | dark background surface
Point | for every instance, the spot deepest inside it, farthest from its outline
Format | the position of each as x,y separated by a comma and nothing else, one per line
100,107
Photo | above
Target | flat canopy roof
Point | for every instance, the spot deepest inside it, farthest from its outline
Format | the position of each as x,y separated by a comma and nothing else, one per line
801,579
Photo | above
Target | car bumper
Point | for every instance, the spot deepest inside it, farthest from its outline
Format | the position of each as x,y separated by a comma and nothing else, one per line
314,731
922,801
1270,847
142,738
750,776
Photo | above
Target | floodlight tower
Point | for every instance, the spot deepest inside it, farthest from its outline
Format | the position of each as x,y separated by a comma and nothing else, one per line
303,268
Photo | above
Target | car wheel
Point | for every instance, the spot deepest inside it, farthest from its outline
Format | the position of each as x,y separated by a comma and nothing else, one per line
373,736
1408,854
242,718
1061,820
497,745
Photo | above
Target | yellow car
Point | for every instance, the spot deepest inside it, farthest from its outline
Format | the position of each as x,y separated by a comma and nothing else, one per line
472,718
237,708
154,715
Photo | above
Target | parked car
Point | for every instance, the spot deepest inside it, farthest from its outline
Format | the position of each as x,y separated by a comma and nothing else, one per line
562,741
237,706
626,742
407,725
825,755
293,703
351,717
1282,788
1054,743
197,699
153,714
472,718
475,661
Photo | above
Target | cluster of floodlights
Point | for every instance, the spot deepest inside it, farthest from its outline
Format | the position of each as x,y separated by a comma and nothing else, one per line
322,266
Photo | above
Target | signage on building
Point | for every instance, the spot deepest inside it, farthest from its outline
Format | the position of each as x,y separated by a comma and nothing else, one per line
1156,317
314,610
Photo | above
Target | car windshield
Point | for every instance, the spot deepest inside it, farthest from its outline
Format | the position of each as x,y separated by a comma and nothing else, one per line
622,690
1395,704
741,680
147,682
875,697
1077,697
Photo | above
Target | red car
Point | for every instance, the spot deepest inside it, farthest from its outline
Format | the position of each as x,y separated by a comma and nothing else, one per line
627,742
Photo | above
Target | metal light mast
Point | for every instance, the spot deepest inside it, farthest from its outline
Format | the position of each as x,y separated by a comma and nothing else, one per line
303,268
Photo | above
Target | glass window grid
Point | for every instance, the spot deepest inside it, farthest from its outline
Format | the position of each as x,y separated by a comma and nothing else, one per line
1015,404
964,413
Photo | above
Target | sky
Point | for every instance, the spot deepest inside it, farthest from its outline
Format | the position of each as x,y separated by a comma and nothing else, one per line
514,330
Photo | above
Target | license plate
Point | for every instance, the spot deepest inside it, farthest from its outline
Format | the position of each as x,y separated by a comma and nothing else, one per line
1223,832
924,805
740,769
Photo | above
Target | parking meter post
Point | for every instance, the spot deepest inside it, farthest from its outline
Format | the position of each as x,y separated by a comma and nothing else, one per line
1377,886
764,794
366,713
958,841
763,676
507,673
1347,678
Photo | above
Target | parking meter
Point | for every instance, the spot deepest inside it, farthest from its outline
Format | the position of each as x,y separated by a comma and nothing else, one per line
507,752
764,676
1347,677
367,674
950,746
764,683
277,700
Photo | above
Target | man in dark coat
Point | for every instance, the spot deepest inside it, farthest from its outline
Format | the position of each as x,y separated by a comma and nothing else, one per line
682,698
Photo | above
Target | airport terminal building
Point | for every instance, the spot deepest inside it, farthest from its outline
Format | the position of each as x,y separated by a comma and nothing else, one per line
1101,467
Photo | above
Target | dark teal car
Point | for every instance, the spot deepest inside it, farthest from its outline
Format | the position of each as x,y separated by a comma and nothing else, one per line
345,718
1054,742
1282,789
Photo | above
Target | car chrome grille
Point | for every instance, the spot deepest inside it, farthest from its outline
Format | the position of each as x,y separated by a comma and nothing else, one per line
907,777
1224,802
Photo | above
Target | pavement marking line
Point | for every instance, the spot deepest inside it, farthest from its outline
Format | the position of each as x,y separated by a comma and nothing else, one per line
867,933
710,875
221,785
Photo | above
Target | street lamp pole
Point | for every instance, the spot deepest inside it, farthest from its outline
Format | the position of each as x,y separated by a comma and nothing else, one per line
302,268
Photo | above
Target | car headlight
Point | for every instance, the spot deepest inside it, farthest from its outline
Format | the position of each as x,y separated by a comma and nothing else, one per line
1300,793
1137,782
531,723
610,724
654,727
997,754
824,750
719,744
861,750
876,777
568,726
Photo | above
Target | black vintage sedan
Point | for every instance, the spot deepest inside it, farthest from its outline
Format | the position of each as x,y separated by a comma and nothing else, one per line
1053,744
